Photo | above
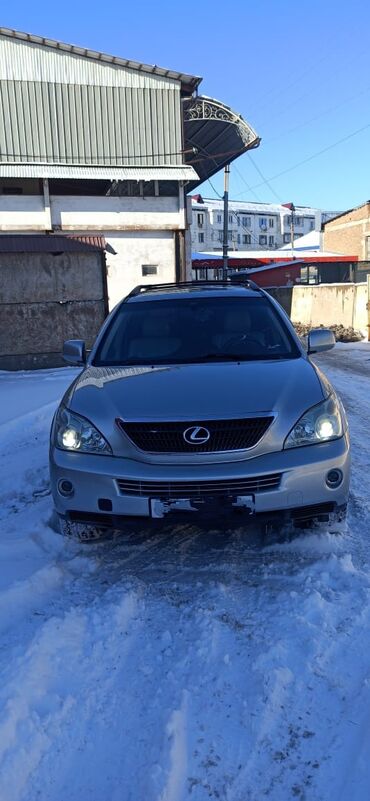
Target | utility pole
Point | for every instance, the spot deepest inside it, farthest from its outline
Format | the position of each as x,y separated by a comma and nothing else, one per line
225,243
292,229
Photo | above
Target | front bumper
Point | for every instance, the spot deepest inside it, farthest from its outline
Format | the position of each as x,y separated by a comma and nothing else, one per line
302,484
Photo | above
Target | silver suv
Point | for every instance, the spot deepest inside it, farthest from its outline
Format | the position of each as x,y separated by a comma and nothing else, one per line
198,400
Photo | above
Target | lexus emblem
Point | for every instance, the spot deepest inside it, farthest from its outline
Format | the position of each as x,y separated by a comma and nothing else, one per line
196,435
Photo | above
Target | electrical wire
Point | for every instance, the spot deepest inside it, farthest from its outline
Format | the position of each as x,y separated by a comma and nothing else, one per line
344,102
310,158
31,156
246,183
264,179
234,213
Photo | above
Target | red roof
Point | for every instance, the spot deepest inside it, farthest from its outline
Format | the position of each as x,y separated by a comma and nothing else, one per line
50,243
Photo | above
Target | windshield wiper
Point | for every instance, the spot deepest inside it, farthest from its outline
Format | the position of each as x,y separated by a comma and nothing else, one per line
238,357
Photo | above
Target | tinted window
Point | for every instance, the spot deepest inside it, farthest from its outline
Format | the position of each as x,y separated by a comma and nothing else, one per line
195,330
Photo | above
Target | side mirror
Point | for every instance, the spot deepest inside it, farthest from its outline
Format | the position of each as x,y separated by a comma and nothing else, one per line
74,351
320,339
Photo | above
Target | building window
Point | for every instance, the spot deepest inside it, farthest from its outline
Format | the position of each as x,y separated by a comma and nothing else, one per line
271,241
263,223
219,218
263,240
238,221
220,236
230,218
246,222
246,239
200,220
149,269
286,238
312,225
271,222
238,239
201,238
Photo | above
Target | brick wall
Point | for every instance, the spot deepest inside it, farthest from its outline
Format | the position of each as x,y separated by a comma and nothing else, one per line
349,233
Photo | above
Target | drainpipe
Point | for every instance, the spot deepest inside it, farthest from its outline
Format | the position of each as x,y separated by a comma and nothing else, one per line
45,187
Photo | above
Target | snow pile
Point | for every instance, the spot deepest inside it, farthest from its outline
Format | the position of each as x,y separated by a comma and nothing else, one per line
342,333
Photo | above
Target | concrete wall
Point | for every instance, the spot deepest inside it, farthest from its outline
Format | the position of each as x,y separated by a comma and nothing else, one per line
330,304
133,250
45,299
91,213
23,213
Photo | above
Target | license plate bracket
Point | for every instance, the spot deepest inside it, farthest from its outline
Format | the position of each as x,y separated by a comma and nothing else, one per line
209,507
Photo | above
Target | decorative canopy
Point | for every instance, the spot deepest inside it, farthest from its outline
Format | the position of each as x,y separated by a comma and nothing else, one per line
217,134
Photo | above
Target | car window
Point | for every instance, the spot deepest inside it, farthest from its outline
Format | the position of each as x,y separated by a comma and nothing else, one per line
195,329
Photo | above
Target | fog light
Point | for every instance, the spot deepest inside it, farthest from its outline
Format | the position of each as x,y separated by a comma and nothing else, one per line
65,488
334,478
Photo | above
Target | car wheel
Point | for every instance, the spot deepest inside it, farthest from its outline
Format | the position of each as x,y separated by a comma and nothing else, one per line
82,532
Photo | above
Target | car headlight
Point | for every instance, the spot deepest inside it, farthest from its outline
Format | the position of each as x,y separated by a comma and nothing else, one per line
322,423
74,433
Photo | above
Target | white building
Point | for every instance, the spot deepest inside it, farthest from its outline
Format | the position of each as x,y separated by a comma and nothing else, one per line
252,226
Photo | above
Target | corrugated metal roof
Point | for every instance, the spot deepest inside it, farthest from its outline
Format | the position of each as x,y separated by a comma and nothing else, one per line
189,82
50,243
20,60
96,172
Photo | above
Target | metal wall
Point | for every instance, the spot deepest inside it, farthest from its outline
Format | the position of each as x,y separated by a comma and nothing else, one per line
62,108
44,299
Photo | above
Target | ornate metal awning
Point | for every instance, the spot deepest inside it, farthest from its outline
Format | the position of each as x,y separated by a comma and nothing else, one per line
218,134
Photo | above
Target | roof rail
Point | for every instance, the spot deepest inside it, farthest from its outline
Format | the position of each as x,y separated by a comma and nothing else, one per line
183,284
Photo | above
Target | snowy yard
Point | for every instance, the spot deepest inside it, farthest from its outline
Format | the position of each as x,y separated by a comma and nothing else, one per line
180,664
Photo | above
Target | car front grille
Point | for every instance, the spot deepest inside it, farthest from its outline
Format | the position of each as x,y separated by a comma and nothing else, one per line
224,435
200,489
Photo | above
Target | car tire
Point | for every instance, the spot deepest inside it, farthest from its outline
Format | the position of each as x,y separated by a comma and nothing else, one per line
81,532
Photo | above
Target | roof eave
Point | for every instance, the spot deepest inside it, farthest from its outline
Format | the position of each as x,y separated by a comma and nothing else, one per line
189,83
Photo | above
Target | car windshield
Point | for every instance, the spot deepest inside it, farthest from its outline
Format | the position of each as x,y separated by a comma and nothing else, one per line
193,330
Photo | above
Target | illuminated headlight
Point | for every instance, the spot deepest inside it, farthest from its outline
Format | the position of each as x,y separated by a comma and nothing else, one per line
322,423
74,433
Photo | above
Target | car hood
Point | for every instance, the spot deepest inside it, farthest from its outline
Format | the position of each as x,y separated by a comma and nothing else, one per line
196,393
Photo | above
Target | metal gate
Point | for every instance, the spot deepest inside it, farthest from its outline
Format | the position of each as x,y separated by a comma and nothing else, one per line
47,297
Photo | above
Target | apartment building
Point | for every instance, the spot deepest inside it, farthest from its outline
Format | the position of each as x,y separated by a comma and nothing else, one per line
251,226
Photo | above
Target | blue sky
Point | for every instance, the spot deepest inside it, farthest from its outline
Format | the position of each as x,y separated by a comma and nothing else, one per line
297,71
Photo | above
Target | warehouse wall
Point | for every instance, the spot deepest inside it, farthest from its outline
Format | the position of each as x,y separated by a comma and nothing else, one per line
44,299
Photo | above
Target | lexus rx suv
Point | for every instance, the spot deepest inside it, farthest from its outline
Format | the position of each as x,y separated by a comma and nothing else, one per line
198,399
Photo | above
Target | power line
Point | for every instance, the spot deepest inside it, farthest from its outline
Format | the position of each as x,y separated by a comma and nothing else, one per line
246,183
235,213
326,80
344,102
310,158
276,95
90,163
264,179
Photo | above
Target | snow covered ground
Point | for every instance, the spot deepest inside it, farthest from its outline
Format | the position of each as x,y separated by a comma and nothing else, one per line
165,665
